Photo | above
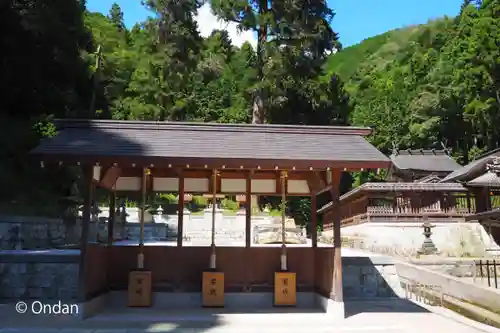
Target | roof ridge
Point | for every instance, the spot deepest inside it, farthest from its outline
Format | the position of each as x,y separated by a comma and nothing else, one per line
229,127
417,152
486,154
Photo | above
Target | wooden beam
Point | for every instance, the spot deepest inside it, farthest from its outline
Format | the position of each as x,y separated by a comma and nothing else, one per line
89,181
210,163
224,173
111,218
248,209
110,177
180,212
278,182
321,177
218,184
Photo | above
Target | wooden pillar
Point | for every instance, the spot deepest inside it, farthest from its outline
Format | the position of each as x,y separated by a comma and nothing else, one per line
84,237
337,259
180,211
314,221
469,203
481,197
487,198
111,218
248,210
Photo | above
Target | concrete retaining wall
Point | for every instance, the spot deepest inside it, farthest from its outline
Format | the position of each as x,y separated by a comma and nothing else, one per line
485,297
458,239
370,277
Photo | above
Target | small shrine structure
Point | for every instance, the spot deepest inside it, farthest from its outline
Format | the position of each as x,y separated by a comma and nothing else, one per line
216,159
420,165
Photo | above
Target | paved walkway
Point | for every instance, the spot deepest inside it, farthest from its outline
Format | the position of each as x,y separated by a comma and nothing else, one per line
388,316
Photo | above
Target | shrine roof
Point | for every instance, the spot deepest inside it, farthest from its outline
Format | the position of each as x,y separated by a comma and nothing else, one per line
487,179
473,169
396,187
212,143
424,160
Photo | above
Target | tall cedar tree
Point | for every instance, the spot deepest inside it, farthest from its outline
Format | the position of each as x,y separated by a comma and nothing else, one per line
116,16
178,44
290,22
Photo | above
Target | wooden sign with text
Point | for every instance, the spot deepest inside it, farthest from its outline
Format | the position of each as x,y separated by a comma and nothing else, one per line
213,289
139,289
285,289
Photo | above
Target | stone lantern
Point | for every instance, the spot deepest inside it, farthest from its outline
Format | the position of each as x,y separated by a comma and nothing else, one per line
428,246
71,204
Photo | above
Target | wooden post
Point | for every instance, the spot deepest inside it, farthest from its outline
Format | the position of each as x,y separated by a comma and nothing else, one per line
111,231
284,177
314,221
248,209
180,212
337,264
140,257
213,264
87,202
111,218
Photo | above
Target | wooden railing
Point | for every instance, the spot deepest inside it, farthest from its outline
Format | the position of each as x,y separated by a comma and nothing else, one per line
409,205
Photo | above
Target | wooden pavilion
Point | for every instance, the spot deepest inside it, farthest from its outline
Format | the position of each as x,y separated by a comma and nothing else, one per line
210,158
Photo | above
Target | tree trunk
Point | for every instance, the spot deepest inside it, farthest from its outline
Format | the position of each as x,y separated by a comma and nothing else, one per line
258,112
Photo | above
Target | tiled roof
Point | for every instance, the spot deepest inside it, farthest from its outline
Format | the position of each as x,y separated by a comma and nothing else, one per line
473,169
487,179
208,141
432,178
397,187
424,160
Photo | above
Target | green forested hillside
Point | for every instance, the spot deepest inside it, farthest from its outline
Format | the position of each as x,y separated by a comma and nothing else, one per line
417,86
422,85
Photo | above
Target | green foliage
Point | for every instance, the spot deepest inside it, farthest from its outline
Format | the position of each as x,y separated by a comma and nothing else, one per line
230,205
423,85
416,86
198,203
169,198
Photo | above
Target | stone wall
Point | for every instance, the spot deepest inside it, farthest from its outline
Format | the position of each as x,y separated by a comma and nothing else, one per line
370,277
47,275
45,233
406,238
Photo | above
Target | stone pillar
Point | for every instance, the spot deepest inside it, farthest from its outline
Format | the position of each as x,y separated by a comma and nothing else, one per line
338,295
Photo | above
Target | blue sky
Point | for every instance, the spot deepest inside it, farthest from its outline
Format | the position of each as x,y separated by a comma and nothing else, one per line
355,20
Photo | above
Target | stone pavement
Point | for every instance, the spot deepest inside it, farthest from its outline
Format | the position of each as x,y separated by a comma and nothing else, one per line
364,317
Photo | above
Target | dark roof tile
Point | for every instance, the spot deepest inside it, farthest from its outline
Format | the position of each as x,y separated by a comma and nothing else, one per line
473,169
217,141
424,160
